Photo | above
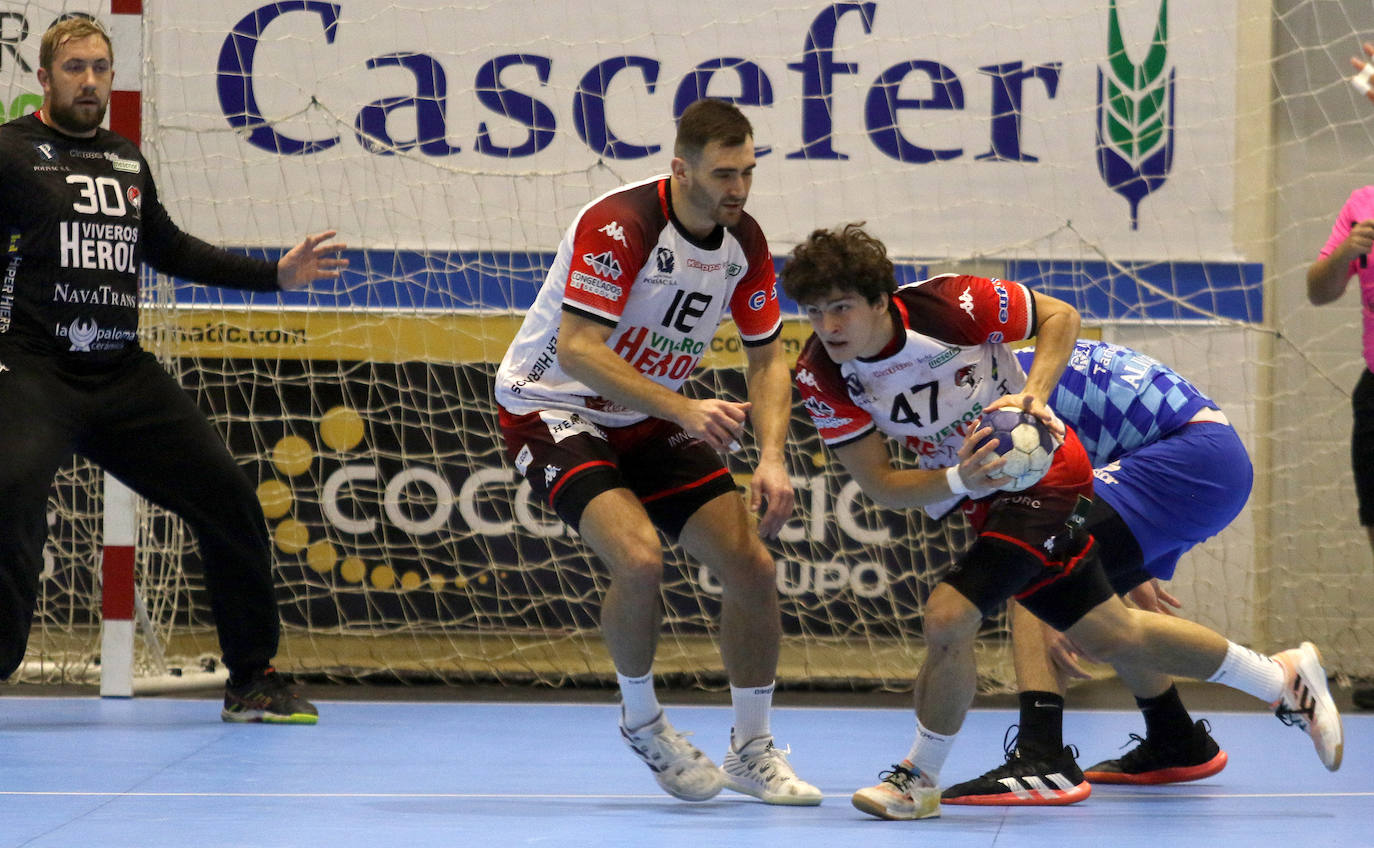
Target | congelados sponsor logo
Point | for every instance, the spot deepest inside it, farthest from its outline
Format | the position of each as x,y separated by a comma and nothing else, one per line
596,286
221,333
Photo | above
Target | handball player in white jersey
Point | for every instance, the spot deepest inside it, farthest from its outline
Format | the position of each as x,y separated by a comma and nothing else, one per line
593,417
919,365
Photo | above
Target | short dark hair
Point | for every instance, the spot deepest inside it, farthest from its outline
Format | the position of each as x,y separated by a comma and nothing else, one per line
847,259
709,120
70,28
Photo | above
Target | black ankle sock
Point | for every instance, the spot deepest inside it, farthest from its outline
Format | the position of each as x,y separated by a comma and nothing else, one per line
1042,724
242,677
1165,716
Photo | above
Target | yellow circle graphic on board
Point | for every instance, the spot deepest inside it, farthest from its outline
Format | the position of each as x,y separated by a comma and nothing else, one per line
291,536
353,569
341,428
275,498
292,455
383,577
321,556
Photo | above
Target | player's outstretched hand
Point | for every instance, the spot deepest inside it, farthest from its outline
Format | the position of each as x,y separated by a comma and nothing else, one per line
309,261
1362,76
1035,406
1152,597
980,468
1065,654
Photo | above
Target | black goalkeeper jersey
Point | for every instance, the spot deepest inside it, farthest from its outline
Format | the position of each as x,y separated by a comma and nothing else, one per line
77,218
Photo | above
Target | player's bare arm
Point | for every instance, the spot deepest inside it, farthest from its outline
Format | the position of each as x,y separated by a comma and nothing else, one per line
869,462
1328,276
1056,331
310,261
770,393
583,352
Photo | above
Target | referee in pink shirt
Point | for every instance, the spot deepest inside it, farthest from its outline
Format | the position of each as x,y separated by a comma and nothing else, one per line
1346,255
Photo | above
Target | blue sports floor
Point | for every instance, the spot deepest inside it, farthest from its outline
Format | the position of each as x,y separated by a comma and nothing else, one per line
158,772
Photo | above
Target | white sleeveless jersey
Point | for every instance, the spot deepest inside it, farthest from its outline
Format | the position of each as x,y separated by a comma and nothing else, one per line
625,263
951,361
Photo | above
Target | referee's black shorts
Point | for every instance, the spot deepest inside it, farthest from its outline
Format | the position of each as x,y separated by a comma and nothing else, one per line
1362,446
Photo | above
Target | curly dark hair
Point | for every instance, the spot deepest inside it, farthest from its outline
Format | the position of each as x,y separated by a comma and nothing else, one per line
848,259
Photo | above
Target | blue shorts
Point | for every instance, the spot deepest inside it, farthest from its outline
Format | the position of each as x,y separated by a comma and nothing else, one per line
1178,491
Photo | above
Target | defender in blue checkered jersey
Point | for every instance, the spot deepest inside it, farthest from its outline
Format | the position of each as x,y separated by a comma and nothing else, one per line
1170,473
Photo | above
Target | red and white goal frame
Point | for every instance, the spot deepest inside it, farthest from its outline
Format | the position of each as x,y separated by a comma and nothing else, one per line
120,602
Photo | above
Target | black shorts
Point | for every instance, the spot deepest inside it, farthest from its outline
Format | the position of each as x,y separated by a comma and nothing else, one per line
1122,559
1035,546
568,460
1362,446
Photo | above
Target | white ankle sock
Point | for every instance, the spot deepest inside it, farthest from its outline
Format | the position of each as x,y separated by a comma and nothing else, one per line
753,705
929,751
1250,672
638,700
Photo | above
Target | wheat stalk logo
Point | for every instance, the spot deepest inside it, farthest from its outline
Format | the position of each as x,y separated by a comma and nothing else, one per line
1135,115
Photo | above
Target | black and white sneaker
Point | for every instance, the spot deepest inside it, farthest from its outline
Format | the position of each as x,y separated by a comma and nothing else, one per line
1024,781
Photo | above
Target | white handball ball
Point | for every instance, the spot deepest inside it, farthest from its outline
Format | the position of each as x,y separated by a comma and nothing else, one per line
1025,442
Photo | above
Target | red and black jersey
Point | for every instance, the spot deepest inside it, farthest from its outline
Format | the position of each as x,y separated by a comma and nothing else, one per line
78,217
627,263
952,359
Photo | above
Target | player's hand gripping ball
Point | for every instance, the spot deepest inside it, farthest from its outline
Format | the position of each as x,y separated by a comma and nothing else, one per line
1026,443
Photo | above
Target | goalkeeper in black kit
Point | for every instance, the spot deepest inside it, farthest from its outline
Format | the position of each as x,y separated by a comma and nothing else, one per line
79,214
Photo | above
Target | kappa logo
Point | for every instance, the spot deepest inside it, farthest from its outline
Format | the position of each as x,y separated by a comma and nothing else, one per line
966,303
1135,114
551,473
615,231
604,264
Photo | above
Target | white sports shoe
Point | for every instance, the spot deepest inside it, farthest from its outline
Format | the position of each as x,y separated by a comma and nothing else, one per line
679,766
762,770
902,795
1306,702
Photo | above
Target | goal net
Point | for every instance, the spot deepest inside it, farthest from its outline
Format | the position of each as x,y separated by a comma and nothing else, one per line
1170,169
